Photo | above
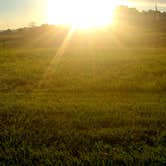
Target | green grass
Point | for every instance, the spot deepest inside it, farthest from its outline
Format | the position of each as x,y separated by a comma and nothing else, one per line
90,106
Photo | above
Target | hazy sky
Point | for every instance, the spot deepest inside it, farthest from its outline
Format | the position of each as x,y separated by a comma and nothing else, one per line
15,13
18,13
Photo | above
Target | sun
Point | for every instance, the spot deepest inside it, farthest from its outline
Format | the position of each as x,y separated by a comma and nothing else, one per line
81,13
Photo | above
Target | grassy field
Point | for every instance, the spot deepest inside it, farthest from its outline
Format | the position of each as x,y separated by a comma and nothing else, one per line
89,106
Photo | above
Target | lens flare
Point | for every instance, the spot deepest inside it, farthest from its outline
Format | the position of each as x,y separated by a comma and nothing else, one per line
81,13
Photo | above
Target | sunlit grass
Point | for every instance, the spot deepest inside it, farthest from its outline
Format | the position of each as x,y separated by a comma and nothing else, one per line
75,97
94,104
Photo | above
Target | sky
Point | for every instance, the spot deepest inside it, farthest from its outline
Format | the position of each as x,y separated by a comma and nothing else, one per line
19,13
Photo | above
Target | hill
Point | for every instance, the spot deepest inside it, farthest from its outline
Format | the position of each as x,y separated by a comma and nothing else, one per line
92,98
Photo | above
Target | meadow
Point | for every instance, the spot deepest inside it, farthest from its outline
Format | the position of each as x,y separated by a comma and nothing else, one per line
91,102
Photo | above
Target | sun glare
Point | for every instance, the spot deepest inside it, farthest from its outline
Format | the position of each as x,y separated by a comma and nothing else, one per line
81,13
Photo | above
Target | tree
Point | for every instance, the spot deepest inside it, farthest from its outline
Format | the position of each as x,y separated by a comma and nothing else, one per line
32,24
